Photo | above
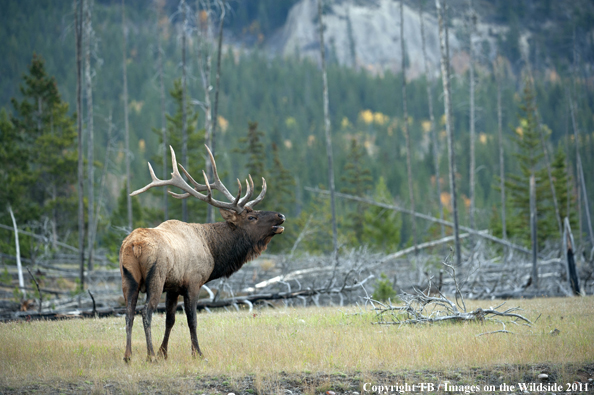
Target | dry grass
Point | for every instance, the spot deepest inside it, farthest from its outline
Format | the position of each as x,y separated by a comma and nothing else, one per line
268,342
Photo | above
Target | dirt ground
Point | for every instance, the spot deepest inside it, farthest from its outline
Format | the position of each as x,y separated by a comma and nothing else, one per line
570,379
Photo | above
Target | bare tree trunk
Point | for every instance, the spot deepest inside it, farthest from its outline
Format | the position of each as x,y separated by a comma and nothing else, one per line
405,129
586,203
569,251
217,80
533,231
90,136
204,62
78,14
184,103
54,219
126,126
328,135
433,130
501,157
18,254
103,177
472,121
445,72
580,172
163,118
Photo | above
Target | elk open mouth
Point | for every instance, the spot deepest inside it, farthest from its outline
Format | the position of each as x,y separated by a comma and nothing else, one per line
277,229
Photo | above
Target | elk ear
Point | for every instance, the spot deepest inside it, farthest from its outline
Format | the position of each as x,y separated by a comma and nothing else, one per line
229,216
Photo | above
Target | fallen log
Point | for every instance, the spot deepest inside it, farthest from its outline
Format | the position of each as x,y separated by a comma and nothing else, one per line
203,304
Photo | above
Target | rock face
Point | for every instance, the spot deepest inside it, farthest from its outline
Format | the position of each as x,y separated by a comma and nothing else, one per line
363,34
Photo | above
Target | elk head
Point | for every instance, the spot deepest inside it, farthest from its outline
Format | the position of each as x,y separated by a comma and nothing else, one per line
238,212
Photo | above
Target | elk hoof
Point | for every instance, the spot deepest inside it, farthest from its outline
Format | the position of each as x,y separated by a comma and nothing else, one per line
127,359
162,354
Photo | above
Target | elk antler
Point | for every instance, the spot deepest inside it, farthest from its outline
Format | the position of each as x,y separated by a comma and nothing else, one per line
237,203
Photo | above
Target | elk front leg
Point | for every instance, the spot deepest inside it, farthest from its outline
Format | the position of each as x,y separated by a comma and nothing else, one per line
169,321
190,303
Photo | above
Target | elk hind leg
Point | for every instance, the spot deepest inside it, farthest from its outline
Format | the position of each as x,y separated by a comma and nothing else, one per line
131,289
190,303
154,289
169,321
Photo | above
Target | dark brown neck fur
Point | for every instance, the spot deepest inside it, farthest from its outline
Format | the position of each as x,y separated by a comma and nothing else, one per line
231,248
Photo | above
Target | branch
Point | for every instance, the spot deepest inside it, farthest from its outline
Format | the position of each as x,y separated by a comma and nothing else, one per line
422,216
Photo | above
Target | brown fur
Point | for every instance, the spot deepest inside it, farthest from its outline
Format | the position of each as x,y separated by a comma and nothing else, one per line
179,258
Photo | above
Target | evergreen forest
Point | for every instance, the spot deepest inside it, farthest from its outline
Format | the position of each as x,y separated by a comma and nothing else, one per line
270,123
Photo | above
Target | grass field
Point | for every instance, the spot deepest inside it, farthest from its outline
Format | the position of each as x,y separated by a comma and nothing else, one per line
310,349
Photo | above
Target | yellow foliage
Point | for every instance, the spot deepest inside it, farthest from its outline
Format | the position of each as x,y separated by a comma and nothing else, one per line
345,123
426,125
520,131
137,106
483,138
446,199
442,120
366,116
203,17
380,118
141,145
311,140
223,123
466,201
288,144
290,122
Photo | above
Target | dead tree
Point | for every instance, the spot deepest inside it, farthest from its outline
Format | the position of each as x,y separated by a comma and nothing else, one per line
405,127
580,172
89,36
126,126
533,230
163,117
445,74
433,130
498,76
18,253
425,217
204,63
568,249
184,101
328,135
432,306
78,16
472,118
217,78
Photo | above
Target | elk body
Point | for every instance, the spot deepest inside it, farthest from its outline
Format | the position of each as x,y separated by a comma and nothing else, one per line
178,257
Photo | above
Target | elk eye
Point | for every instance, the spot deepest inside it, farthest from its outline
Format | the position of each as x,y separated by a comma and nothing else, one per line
252,218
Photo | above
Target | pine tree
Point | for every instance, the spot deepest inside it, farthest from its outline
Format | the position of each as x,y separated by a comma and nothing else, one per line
15,174
254,148
48,135
560,179
529,156
196,209
381,227
280,196
357,181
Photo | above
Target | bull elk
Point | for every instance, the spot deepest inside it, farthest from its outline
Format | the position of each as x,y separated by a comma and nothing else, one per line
178,257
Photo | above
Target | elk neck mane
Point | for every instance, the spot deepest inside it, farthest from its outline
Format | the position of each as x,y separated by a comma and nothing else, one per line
231,247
